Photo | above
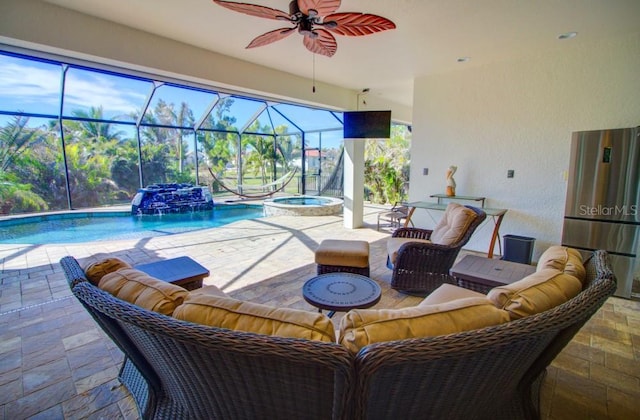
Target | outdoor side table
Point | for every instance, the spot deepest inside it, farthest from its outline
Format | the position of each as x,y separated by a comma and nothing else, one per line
181,271
341,292
483,274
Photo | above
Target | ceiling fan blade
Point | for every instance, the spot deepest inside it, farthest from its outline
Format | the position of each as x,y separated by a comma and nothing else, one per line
358,24
323,7
254,10
324,43
270,37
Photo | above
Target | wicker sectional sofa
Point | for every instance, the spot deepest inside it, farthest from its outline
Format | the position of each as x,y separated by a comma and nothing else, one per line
201,354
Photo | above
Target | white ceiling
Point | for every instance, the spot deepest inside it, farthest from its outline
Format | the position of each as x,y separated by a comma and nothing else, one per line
430,35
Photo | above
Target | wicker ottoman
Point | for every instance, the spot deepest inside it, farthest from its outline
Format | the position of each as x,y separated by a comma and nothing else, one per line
344,256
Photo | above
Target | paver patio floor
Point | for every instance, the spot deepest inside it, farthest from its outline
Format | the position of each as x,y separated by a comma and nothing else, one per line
56,363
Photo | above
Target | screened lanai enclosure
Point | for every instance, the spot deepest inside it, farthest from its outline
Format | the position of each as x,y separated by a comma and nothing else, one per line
79,135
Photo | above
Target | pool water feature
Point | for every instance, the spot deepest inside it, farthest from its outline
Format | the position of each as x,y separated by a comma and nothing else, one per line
78,227
302,206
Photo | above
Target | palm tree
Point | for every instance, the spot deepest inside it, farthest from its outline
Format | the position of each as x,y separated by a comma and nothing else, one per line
15,196
261,158
218,141
385,166
15,140
93,129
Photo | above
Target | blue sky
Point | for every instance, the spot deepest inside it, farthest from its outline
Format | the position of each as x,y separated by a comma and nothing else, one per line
33,86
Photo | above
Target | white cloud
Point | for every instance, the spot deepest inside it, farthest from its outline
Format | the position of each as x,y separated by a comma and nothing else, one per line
24,84
100,90
29,84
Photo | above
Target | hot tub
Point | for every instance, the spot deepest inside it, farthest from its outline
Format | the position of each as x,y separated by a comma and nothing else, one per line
302,205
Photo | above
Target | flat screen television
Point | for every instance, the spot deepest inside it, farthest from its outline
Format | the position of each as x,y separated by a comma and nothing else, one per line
367,124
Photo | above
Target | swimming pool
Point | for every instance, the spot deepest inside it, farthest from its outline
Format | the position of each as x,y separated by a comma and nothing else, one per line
102,226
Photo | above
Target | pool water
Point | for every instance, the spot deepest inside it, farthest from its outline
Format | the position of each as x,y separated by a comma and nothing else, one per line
90,227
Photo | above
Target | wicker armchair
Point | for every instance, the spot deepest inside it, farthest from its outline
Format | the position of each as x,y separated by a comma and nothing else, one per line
176,369
422,267
489,373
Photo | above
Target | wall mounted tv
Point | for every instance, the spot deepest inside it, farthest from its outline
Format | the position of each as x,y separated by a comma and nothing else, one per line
367,124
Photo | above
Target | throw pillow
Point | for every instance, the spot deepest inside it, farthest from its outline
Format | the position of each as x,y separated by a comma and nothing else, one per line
140,289
97,270
564,259
535,293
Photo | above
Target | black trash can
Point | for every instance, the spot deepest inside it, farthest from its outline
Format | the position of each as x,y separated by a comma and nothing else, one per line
518,249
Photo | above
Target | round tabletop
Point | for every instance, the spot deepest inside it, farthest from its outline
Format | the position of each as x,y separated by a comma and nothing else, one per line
341,291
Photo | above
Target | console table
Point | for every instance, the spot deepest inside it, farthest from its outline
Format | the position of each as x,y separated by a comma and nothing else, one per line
496,215
442,197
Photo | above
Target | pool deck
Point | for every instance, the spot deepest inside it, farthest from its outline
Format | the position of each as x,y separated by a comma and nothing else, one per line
56,363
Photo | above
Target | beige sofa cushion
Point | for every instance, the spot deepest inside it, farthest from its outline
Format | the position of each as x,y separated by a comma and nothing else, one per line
140,289
453,225
208,290
95,271
564,259
394,244
447,293
535,293
361,327
233,314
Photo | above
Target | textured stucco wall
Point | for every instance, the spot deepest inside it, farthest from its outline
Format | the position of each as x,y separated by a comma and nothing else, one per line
520,115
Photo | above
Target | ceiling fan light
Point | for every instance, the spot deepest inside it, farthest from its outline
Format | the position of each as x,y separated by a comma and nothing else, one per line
308,33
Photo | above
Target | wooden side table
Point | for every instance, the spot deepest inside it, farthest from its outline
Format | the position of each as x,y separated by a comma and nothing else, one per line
181,271
483,274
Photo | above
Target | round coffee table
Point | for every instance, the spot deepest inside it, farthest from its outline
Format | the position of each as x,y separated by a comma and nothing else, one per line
341,292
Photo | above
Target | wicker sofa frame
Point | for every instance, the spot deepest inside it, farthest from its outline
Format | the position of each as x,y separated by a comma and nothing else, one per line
178,370
489,373
422,267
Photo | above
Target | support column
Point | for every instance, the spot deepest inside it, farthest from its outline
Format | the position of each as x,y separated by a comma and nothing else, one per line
353,183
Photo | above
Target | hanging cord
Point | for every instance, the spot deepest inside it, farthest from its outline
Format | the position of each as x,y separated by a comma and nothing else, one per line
314,73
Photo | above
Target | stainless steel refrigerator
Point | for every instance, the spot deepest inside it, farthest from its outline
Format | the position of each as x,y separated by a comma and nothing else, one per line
602,209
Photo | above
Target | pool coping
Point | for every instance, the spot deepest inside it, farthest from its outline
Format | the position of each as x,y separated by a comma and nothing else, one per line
272,206
116,211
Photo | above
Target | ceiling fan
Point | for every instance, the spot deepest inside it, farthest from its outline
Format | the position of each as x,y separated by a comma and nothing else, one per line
315,20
